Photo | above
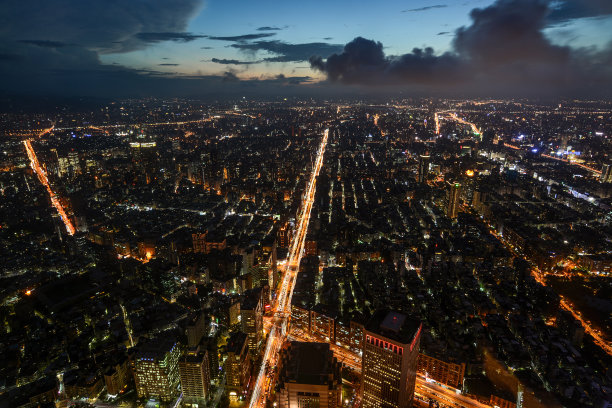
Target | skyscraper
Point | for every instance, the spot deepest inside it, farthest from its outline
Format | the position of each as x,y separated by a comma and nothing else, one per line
195,376
156,373
251,318
389,363
454,196
196,328
237,365
309,376
423,167
606,174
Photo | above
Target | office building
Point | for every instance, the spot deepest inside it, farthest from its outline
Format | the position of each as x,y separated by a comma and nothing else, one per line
196,329
389,363
454,199
251,318
606,173
237,365
156,369
445,372
195,377
210,344
116,377
423,168
309,376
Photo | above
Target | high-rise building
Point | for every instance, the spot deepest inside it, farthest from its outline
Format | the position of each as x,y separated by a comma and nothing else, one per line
199,241
423,167
268,257
144,151
309,376
251,318
195,377
237,365
606,173
196,329
284,236
210,344
389,362
116,376
156,369
454,198
445,372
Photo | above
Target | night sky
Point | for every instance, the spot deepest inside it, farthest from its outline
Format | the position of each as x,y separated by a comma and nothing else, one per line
118,48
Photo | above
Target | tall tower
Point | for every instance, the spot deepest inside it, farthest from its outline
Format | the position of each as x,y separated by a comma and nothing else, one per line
423,167
606,174
389,363
309,376
454,196
251,318
156,373
237,365
196,328
195,376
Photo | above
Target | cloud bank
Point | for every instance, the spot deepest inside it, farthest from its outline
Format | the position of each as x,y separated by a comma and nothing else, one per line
55,47
503,51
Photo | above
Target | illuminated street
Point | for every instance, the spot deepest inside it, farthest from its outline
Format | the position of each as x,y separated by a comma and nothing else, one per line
42,176
282,308
541,278
424,387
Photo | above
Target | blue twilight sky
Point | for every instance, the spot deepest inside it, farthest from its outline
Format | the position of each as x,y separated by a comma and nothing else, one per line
399,25
118,48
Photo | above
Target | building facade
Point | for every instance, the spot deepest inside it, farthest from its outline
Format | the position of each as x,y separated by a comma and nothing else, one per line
251,318
309,377
389,362
238,365
156,369
195,377
441,371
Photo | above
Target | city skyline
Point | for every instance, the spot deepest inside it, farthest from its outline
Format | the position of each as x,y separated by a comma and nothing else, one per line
452,253
325,204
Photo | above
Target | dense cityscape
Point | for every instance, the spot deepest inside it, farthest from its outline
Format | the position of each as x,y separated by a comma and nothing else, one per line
321,204
302,253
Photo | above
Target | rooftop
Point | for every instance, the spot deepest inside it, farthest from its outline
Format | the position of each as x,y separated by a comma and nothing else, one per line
251,299
308,363
156,348
236,342
394,326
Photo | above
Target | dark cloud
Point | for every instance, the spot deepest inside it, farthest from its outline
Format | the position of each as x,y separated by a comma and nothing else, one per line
292,80
270,28
509,31
563,11
99,25
286,52
435,6
9,57
44,43
443,33
233,61
55,47
34,63
364,61
159,37
230,76
245,37
166,64
503,51
206,48
328,38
